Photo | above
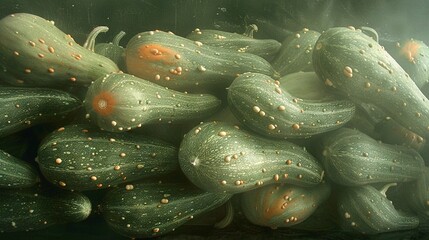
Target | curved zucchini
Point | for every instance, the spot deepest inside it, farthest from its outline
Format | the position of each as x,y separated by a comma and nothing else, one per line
121,102
366,210
81,157
34,52
352,158
36,208
295,55
360,68
266,48
417,193
268,108
183,64
16,173
144,210
282,205
22,107
113,50
219,157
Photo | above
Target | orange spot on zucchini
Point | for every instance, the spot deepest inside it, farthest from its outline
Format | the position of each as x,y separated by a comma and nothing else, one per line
104,103
410,50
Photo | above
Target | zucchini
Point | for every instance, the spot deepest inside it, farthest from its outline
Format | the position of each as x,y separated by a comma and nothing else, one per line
113,50
268,108
121,102
282,205
265,48
367,210
16,173
357,66
183,64
416,193
34,52
352,158
37,208
143,210
82,157
219,157
22,107
295,55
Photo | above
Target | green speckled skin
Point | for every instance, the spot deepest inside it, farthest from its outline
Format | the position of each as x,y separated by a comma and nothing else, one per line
34,52
268,108
144,210
92,159
24,107
361,69
132,102
36,208
218,157
282,205
352,158
366,210
16,173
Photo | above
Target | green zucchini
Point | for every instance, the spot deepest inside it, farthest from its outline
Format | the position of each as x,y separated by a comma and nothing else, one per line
268,108
352,158
37,208
22,107
16,173
143,210
265,48
219,157
183,64
413,56
113,50
367,210
295,55
121,102
82,157
358,67
34,52
416,193
282,205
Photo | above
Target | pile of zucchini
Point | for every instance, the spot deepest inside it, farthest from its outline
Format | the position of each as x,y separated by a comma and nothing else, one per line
324,127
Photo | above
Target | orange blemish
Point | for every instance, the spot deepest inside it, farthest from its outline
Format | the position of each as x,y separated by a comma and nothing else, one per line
151,60
272,206
410,50
104,103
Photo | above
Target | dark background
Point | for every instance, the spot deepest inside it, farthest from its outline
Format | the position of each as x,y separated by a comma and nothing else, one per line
393,19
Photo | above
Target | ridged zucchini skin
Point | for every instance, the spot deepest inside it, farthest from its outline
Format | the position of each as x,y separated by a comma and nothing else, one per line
360,68
413,56
416,193
82,157
34,52
366,210
295,54
182,64
113,50
22,107
265,106
120,102
219,157
282,205
37,208
352,158
265,48
144,210
16,173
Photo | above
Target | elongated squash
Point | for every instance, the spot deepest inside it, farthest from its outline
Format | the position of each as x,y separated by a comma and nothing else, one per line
282,205
36,208
16,173
24,107
219,157
266,48
352,158
121,102
81,157
266,106
361,69
366,210
183,64
143,210
34,52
